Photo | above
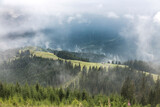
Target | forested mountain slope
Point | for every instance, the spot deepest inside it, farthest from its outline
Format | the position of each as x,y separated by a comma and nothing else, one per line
35,65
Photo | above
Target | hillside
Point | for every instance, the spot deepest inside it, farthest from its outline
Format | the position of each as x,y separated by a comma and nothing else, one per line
36,65
45,54
37,52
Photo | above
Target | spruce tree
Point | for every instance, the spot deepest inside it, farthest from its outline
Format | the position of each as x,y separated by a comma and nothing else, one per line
128,89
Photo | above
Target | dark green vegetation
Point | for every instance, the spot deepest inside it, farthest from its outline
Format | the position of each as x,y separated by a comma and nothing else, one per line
140,65
36,95
121,83
79,56
69,55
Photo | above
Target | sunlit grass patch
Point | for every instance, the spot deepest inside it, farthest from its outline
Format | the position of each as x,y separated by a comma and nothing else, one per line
37,52
45,55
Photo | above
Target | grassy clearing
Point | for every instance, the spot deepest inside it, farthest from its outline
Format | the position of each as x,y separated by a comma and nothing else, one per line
82,63
91,64
155,76
48,55
45,55
74,62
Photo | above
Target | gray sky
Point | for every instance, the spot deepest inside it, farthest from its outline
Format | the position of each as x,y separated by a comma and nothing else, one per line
20,16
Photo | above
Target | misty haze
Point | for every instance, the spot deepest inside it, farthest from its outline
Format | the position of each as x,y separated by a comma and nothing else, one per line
79,53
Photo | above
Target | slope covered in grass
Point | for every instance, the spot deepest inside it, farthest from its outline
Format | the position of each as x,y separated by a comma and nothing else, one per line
49,55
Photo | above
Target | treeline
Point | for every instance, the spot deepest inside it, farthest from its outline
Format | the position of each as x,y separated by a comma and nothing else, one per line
138,87
115,62
68,55
36,95
32,69
140,65
135,86
145,96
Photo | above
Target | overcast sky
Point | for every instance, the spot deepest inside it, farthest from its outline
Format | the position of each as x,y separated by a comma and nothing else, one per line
20,16
91,6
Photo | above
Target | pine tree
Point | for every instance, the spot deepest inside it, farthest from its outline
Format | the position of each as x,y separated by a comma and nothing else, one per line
128,89
37,87
67,93
1,90
84,95
61,94
52,97
151,99
143,91
157,91
17,88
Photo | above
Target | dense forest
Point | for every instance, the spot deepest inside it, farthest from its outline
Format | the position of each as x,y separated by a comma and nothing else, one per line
140,65
83,56
68,55
120,84
36,95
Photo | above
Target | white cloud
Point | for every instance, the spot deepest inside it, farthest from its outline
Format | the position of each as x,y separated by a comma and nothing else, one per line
90,6
70,19
129,16
26,15
144,17
112,15
156,18
77,17
143,33
100,6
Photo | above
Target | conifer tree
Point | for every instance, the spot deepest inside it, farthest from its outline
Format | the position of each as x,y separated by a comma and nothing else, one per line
61,94
128,89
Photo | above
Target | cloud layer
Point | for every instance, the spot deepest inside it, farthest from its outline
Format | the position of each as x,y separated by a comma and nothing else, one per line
50,22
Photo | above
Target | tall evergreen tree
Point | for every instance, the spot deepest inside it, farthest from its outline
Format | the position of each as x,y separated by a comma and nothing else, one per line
128,89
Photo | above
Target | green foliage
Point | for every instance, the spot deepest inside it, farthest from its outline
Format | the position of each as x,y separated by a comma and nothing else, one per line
75,103
68,55
36,95
140,65
128,89
40,71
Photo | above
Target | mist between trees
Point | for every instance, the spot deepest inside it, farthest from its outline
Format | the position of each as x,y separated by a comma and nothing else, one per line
123,82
